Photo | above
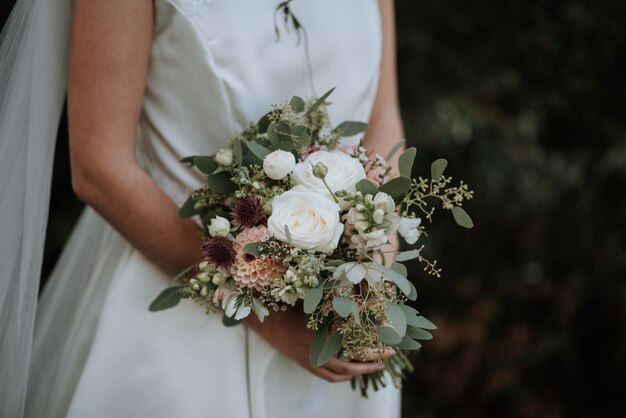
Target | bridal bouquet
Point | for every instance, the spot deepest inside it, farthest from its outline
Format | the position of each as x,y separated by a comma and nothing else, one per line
293,218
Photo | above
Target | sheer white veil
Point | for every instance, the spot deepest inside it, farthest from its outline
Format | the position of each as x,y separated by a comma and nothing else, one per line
33,56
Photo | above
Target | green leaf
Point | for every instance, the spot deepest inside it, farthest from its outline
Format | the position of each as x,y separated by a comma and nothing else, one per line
319,102
319,340
344,306
221,183
402,282
388,335
189,160
303,140
395,149
205,164
187,210
437,168
331,347
313,297
237,152
166,299
272,135
366,187
350,128
252,248
288,234
461,217
258,150
407,255
418,333
424,323
409,344
297,103
412,293
405,162
263,123
285,146
396,188
230,322
410,314
334,263
396,315
400,268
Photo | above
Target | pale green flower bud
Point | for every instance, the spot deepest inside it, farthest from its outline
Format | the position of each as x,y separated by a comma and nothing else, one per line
224,157
320,170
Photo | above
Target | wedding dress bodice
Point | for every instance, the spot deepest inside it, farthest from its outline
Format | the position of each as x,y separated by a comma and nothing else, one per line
217,65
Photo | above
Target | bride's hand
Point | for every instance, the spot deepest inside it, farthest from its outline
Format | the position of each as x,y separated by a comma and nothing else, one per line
287,332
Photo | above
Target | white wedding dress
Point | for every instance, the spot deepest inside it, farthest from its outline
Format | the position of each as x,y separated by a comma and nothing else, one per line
98,352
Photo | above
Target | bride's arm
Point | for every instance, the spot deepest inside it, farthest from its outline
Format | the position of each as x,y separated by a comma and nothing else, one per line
108,62
385,126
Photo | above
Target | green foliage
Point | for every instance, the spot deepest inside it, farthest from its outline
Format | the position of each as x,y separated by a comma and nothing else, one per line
168,298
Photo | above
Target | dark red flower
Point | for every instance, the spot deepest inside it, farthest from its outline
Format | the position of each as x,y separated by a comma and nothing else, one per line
247,212
219,251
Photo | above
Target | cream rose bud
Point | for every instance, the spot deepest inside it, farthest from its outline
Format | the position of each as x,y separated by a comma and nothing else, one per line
224,157
408,228
278,164
343,172
219,227
312,219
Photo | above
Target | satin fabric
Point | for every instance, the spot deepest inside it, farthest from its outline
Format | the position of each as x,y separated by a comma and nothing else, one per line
98,352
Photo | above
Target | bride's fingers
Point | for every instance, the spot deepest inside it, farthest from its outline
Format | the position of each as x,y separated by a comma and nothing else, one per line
353,368
374,355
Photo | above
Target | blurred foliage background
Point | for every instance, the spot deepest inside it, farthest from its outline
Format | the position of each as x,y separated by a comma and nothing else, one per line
527,101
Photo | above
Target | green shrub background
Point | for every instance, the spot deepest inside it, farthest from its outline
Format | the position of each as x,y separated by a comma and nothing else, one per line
527,101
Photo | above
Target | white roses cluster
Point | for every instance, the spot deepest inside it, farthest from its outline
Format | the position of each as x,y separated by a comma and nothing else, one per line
278,164
311,218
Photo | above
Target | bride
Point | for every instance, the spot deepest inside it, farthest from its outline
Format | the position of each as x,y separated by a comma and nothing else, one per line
149,82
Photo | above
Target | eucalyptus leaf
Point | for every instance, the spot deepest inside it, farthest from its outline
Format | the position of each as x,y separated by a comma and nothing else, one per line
285,146
350,128
402,282
303,140
334,263
425,323
272,135
396,317
461,217
252,248
412,293
408,344
237,151
395,149
297,103
407,255
366,187
331,347
187,210
418,333
400,268
313,297
344,306
227,321
189,160
388,335
397,187
319,102
257,149
288,234
319,340
263,123
405,162
166,299
410,314
205,164
437,168
221,183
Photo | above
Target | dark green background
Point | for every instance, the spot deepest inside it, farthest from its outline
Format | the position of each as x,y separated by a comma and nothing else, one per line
527,102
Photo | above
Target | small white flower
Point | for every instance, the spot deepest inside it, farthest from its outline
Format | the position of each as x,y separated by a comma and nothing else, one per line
375,238
219,227
408,228
219,278
259,309
378,216
278,164
224,157
230,309
385,202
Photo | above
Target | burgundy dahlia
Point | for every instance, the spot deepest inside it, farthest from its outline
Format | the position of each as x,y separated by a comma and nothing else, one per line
247,212
219,251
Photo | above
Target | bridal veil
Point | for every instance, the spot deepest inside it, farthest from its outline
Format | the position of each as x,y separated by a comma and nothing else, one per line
33,56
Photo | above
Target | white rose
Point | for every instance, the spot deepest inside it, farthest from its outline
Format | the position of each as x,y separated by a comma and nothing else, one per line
343,172
408,228
224,157
219,227
312,220
278,164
